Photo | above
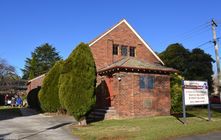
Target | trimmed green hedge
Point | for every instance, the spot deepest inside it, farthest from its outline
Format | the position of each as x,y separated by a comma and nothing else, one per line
77,82
48,94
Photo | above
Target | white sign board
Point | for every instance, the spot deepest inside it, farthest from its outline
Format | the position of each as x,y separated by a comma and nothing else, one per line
195,92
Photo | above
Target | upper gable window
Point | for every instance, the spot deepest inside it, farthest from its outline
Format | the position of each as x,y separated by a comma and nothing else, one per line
124,50
132,51
115,49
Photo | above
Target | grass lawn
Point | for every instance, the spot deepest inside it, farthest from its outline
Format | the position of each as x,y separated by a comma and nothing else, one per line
150,128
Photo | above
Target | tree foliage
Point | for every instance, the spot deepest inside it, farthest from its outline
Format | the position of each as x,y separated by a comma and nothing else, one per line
193,65
77,82
48,95
200,67
176,56
176,93
7,72
42,59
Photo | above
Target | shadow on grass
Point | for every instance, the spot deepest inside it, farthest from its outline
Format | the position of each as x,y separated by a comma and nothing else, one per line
179,116
198,112
181,119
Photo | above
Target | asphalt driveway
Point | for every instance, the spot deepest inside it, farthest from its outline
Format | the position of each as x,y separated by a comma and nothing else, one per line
36,127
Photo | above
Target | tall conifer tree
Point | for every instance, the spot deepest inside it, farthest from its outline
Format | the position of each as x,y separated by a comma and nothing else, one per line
48,95
77,82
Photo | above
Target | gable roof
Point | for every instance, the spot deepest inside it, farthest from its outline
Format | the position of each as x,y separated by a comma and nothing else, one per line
132,29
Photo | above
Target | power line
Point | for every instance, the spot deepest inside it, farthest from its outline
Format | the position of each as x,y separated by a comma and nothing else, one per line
194,30
205,43
196,34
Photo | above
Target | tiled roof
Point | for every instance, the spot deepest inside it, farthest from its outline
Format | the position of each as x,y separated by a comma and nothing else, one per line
130,62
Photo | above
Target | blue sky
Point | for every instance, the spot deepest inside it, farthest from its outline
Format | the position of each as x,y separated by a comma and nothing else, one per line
26,24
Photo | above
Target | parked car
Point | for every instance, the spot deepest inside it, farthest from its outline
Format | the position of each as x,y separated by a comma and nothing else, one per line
214,100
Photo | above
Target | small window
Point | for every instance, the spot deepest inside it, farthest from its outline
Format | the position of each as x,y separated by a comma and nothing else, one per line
124,50
142,82
146,82
132,51
115,49
150,82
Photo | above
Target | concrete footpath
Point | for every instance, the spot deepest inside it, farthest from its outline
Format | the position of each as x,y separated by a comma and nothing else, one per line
34,126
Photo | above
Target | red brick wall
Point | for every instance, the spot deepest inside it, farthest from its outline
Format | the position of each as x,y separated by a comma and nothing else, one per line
130,100
122,34
124,98
34,83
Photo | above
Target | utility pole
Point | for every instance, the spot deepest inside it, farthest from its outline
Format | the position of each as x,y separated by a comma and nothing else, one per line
216,46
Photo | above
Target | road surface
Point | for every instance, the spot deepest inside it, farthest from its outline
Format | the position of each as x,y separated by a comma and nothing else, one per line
36,127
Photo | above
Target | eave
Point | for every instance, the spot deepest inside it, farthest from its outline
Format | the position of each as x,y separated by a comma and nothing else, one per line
115,69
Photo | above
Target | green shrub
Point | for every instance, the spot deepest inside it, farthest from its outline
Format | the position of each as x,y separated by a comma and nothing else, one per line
48,95
77,82
32,98
176,93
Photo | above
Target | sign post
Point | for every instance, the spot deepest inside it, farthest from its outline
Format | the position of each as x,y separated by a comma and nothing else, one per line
184,107
195,93
209,113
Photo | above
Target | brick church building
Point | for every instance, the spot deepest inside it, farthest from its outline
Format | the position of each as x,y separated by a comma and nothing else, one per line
131,79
